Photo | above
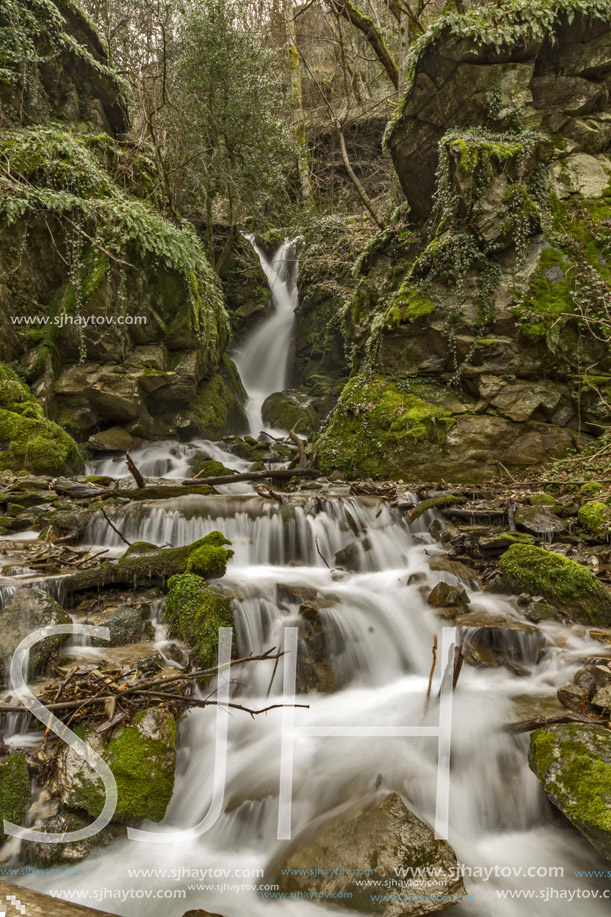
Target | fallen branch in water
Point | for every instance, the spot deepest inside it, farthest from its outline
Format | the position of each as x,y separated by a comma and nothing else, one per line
140,482
115,529
93,690
543,721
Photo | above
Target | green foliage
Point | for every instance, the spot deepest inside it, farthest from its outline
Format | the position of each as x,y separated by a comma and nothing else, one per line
194,612
56,173
566,584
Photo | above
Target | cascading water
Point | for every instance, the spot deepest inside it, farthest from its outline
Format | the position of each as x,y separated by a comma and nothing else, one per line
379,632
262,360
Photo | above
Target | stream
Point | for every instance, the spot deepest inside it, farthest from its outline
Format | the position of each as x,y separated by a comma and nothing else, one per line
380,630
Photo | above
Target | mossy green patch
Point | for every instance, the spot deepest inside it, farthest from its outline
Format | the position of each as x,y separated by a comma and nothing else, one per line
595,518
573,763
408,305
210,559
194,612
567,585
377,426
14,789
34,443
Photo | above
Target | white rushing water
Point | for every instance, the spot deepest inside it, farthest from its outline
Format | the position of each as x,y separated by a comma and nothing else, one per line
379,631
263,358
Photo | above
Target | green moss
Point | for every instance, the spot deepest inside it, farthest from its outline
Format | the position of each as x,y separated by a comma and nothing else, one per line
591,489
140,547
541,500
376,428
408,305
218,408
142,760
194,612
573,763
209,560
14,789
36,443
208,468
595,518
566,584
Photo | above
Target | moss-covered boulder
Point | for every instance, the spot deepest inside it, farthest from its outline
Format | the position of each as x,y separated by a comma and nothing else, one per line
219,404
26,612
194,612
142,758
283,410
31,441
595,518
567,585
14,789
573,764
210,557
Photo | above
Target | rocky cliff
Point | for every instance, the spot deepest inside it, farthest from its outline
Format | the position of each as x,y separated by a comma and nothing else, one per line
481,318
110,311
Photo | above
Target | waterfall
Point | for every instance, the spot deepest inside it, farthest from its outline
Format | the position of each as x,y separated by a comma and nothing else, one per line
379,632
263,358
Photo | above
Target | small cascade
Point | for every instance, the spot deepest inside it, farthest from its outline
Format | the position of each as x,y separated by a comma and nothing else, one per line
167,459
263,358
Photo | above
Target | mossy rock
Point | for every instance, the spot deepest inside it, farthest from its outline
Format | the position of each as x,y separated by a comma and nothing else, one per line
138,548
595,518
573,763
14,789
591,488
209,559
142,758
541,500
205,467
567,585
380,431
283,410
220,400
34,442
194,612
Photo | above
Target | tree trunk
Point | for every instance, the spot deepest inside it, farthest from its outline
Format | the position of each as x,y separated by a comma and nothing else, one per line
362,193
305,178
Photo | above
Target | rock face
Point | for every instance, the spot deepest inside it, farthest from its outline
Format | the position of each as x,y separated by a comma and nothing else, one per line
558,84
142,758
469,329
128,330
27,611
573,763
378,834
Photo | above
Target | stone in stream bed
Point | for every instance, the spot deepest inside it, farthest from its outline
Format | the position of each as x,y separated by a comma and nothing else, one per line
14,790
127,624
142,758
45,855
491,641
443,595
350,557
567,585
377,833
539,520
573,698
194,612
314,668
573,764
25,612
592,678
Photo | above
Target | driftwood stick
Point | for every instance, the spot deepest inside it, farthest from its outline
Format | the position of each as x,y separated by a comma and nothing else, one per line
303,459
140,482
542,721
38,905
115,529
